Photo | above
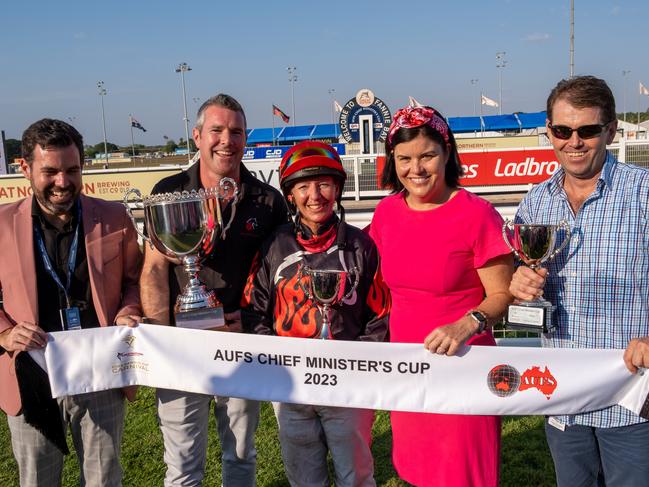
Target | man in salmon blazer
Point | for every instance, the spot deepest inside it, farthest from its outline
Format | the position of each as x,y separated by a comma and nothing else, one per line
67,261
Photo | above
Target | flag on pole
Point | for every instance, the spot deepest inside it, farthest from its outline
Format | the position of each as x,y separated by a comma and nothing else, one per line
488,101
337,106
414,103
280,114
136,124
643,89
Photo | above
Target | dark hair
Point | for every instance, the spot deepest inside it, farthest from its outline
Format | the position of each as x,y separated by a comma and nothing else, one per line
220,100
584,92
453,170
49,132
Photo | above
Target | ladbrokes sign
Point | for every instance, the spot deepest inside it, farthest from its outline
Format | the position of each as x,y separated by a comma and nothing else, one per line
503,167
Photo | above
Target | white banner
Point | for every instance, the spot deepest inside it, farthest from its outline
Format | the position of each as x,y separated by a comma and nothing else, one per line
388,376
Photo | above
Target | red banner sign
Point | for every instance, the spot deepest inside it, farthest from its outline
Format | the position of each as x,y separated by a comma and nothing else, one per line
502,167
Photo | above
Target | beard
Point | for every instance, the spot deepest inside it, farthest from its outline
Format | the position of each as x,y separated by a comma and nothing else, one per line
49,203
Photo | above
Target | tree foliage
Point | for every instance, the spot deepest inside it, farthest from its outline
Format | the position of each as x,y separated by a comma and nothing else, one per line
170,146
12,149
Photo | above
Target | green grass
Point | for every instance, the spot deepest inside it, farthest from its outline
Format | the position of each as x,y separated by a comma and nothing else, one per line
525,457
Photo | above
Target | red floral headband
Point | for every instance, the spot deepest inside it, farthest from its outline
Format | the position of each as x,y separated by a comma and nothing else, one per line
411,117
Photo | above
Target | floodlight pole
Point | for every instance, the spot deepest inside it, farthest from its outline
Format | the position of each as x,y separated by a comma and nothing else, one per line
500,65
102,92
474,82
182,69
625,72
292,78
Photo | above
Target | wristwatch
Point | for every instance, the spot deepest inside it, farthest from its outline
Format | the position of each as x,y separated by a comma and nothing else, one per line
480,318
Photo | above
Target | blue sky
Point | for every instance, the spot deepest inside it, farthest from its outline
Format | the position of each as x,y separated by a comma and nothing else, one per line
55,52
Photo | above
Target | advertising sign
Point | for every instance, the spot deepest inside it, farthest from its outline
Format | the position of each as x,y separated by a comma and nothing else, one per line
277,152
500,167
364,103
520,166
477,143
106,185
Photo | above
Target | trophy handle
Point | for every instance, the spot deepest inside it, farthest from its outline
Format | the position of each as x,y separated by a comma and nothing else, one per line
127,202
509,225
302,269
226,186
566,226
357,278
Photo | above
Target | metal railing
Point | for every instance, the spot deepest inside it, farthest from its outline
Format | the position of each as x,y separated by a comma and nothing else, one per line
363,178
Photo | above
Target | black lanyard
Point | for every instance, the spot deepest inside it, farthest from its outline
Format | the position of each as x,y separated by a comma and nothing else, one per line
72,257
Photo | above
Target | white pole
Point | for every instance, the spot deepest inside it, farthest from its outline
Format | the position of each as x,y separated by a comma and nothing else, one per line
625,72
572,38
474,82
500,65
182,68
102,93
130,119
292,78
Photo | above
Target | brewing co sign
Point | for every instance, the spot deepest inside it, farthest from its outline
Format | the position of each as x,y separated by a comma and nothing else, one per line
364,103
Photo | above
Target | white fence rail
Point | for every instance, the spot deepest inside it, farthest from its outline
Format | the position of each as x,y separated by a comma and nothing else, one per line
363,178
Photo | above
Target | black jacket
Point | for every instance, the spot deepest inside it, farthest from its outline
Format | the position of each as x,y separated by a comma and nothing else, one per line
274,302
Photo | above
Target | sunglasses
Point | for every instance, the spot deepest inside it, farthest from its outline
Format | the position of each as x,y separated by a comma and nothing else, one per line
584,132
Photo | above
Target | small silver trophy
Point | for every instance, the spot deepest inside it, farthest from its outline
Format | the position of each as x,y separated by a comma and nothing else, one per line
533,245
185,226
326,288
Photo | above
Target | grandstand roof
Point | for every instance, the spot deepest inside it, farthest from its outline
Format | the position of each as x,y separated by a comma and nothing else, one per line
513,121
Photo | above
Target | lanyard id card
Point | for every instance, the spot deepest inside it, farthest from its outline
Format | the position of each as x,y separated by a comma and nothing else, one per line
70,318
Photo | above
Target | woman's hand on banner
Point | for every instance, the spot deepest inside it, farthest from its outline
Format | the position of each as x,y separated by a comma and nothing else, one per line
448,339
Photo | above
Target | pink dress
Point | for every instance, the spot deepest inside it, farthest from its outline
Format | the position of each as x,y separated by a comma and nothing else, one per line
429,261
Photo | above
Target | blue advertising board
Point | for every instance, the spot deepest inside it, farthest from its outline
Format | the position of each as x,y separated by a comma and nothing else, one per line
277,151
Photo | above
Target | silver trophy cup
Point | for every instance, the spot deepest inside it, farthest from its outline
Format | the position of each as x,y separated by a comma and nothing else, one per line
327,289
184,226
533,245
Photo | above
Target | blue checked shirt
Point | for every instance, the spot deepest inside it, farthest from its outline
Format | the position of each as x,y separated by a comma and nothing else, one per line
599,283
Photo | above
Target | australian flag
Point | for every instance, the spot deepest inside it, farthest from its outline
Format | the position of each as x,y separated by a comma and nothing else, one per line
137,125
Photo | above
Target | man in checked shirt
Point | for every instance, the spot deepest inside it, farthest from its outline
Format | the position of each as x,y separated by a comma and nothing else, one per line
599,283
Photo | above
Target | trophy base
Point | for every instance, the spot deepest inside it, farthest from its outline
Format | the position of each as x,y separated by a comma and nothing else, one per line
534,316
201,319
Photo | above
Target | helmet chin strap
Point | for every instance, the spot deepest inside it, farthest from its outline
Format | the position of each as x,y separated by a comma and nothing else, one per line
340,240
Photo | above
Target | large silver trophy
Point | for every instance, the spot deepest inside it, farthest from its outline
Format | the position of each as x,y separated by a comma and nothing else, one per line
533,245
184,226
326,288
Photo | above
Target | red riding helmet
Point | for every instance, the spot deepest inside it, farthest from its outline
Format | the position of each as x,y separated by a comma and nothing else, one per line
309,159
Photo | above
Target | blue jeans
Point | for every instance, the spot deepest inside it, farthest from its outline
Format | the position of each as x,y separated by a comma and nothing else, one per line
307,433
612,457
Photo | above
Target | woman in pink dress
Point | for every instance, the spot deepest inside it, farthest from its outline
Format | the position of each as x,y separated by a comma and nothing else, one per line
448,269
